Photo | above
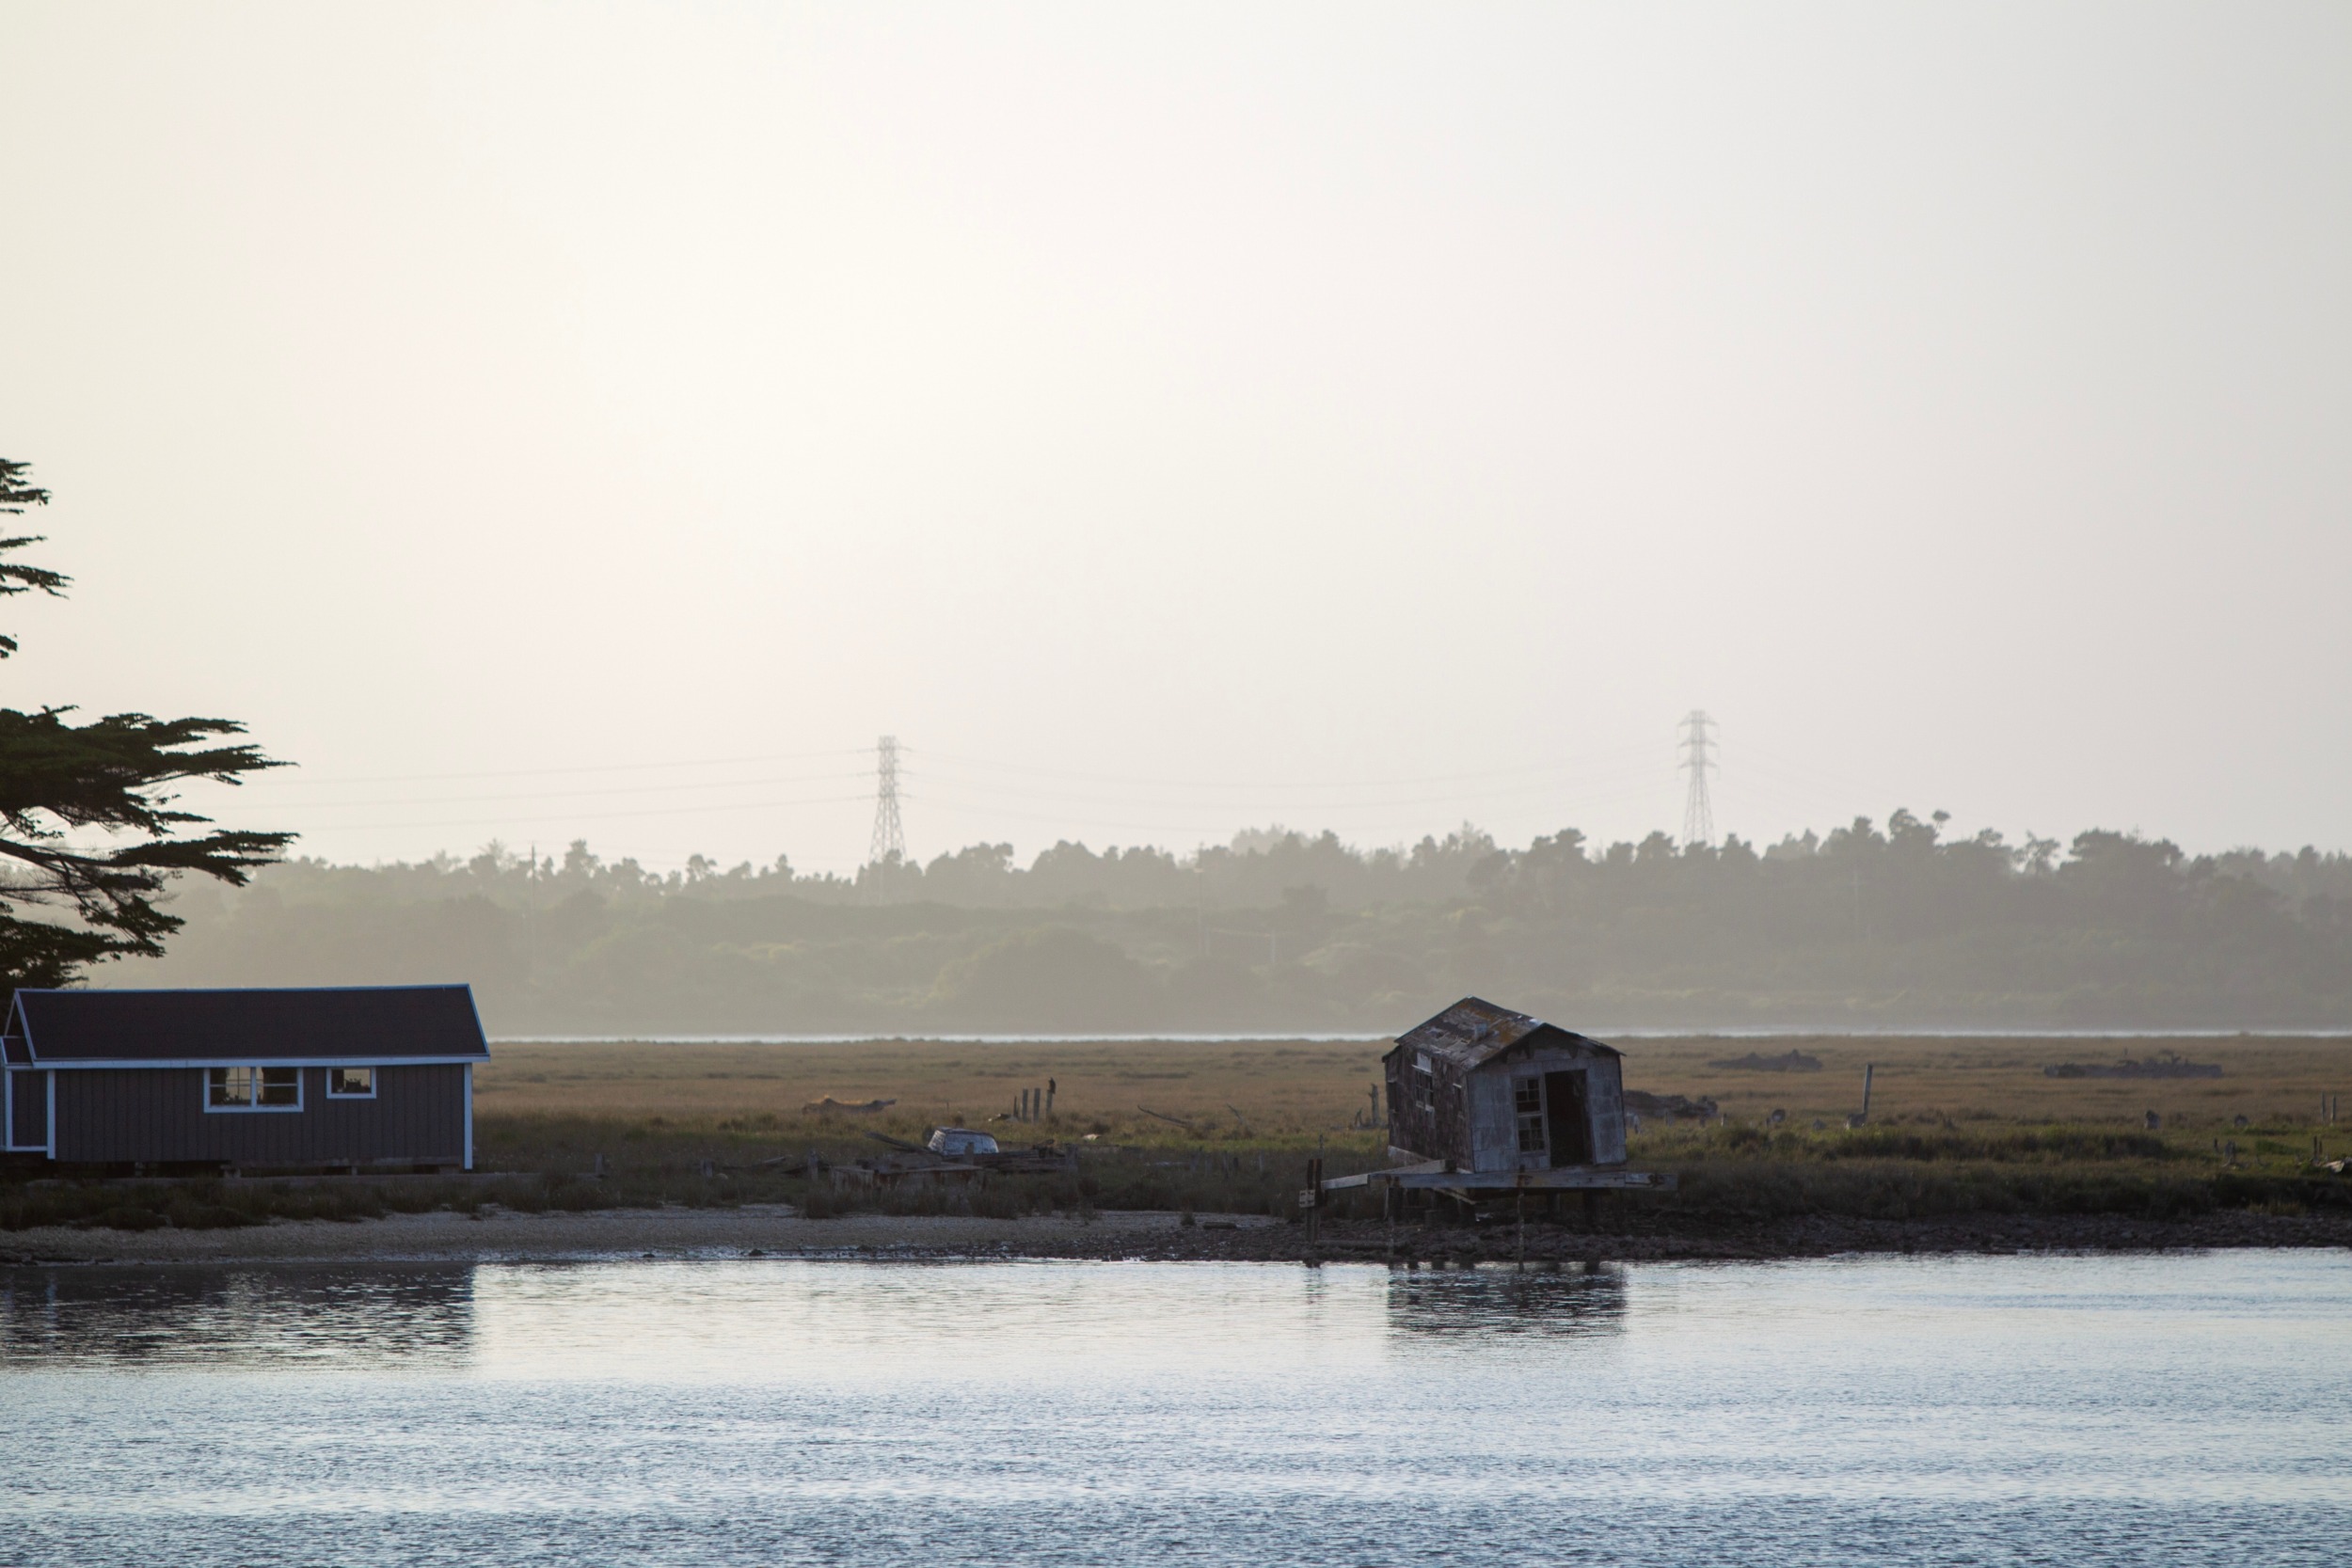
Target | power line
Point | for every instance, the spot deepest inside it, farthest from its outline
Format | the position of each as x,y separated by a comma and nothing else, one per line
564,793
890,839
1583,764
560,818
1268,800
595,768
1698,813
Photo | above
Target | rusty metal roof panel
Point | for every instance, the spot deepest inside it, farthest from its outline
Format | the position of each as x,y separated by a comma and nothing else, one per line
1475,1030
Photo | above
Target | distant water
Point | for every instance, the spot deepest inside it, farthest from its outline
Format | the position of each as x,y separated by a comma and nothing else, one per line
2074,1411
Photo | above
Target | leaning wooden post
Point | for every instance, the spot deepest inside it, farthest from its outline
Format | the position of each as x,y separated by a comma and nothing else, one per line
1313,1197
1313,1202
1867,1069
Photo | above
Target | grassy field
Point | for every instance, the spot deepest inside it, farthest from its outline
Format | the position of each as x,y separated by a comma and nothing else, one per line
1958,1126
1289,1089
1234,1120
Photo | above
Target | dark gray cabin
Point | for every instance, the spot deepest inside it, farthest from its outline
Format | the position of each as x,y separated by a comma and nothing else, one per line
1486,1089
362,1077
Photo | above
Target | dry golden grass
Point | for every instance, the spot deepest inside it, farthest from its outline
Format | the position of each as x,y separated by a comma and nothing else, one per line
1271,1087
1275,1087
2265,1078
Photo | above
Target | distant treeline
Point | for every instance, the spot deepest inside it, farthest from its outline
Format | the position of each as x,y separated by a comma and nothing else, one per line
1287,931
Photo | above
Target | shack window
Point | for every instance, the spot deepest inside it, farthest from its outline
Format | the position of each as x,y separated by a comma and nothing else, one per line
1424,1086
351,1083
253,1088
1527,1101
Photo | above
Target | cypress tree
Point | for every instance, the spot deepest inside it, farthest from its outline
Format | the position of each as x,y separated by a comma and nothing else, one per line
90,833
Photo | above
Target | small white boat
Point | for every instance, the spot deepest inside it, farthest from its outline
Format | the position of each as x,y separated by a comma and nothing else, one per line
957,1142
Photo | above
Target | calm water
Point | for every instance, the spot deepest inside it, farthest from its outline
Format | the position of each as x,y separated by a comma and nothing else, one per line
2055,1410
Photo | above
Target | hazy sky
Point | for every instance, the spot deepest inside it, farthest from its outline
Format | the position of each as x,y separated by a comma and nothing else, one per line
570,420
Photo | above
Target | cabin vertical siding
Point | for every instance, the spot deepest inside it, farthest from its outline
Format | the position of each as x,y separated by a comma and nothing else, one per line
1453,1120
1439,1130
29,1109
1494,1131
1404,1119
1474,1123
113,1116
1605,1084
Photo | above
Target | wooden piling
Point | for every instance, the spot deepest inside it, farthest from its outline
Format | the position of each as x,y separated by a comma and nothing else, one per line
1314,1204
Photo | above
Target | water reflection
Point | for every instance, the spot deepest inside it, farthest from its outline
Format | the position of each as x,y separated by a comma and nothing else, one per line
1580,1300
2101,1412
355,1318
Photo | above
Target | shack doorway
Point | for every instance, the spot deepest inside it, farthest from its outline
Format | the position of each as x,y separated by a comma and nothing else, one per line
1567,1119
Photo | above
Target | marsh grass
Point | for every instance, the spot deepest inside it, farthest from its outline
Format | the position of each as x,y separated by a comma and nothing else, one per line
199,1204
1958,1126
662,1159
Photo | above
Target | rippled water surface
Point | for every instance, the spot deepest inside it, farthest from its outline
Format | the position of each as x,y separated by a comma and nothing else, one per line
2042,1410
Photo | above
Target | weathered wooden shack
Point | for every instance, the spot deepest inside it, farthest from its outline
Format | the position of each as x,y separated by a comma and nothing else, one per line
373,1077
1483,1089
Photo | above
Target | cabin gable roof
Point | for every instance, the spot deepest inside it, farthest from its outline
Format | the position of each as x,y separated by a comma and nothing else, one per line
1474,1031
353,1023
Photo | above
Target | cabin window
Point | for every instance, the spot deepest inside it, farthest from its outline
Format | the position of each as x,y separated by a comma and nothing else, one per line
1527,1102
253,1088
351,1083
1425,1087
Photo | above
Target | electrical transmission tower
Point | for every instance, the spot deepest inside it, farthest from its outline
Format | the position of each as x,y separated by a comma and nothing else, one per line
890,839
1698,815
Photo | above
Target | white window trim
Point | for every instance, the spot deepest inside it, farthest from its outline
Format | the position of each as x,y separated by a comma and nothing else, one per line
302,1089
374,1079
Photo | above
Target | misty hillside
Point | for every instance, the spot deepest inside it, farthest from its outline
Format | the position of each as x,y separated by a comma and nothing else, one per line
1281,930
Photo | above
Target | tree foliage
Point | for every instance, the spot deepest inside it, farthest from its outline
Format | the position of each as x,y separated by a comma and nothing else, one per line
18,492
89,830
1878,923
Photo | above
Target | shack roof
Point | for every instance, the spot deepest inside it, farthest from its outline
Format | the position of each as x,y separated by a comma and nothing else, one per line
1475,1030
349,1023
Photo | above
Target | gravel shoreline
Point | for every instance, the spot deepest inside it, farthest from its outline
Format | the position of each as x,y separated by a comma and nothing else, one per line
776,1230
